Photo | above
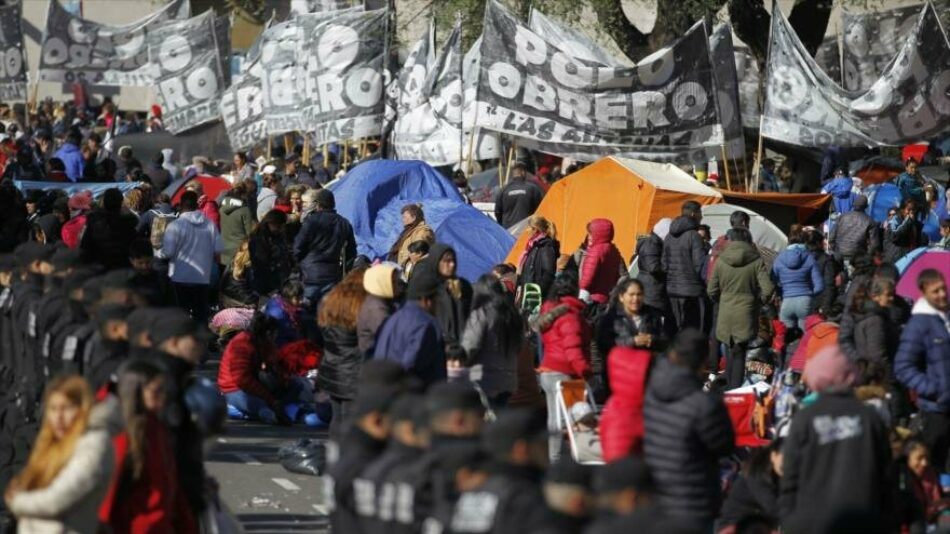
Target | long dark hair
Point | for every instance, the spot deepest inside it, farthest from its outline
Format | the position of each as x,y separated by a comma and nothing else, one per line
565,285
261,328
489,293
271,217
133,378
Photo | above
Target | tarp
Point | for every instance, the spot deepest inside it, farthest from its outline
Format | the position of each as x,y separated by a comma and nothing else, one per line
911,265
764,233
633,194
881,198
372,195
212,186
96,188
783,209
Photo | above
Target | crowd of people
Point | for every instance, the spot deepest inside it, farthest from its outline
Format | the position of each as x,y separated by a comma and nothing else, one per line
444,396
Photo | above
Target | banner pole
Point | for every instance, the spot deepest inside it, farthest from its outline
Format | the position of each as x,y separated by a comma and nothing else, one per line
758,157
725,164
326,155
306,150
270,145
511,155
346,153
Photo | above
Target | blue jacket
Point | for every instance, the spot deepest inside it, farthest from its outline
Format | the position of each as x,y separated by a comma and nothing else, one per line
287,331
841,194
797,272
412,338
923,358
323,246
73,160
911,188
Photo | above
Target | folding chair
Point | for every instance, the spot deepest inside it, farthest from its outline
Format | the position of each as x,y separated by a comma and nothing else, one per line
531,298
569,393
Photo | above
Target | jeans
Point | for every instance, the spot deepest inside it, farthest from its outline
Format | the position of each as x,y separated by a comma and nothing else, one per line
548,381
193,298
794,311
297,392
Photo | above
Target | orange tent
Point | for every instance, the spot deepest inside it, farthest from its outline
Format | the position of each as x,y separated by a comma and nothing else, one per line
633,194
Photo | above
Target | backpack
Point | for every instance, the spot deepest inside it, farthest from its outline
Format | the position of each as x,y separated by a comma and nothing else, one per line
159,224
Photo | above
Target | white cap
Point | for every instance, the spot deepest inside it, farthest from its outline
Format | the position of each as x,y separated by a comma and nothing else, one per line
269,169
581,410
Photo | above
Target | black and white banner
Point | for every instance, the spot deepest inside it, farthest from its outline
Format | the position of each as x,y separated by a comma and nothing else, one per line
187,58
871,40
242,109
573,42
662,109
75,49
485,144
343,81
431,130
303,7
909,102
13,66
282,77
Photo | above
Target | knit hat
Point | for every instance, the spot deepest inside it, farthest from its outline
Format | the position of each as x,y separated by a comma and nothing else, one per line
662,227
80,201
627,473
828,369
424,283
378,281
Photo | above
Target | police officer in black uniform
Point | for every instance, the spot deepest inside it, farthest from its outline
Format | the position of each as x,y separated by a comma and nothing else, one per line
567,492
625,491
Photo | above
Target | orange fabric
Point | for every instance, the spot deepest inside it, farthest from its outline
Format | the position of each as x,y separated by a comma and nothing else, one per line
877,174
812,201
606,189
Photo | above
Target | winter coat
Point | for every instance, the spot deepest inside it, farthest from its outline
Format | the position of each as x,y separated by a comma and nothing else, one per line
903,237
750,496
237,221
190,244
154,503
452,306
740,282
842,196
517,201
412,338
70,504
341,362
540,264
617,329
818,335
796,273
602,265
911,187
835,461
210,208
621,424
72,231
686,431
869,335
237,293
270,261
107,238
486,343
854,233
241,364
566,341
73,161
829,268
683,255
419,232
373,313
288,318
923,358
324,246
652,275
266,199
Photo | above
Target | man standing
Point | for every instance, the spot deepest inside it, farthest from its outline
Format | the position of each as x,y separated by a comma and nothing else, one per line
922,360
324,247
190,244
855,233
71,156
911,184
519,199
686,432
683,257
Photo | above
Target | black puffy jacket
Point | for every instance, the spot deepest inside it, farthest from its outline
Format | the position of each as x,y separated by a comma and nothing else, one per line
324,244
652,274
854,233
107,237
540,265
683,255
341,362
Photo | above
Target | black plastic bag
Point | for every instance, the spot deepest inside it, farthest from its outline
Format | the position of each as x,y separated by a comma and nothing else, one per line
304,457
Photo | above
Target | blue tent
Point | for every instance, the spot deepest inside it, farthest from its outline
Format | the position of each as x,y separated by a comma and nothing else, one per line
881,198
371,196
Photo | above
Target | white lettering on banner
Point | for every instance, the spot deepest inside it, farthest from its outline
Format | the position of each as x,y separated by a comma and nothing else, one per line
330,91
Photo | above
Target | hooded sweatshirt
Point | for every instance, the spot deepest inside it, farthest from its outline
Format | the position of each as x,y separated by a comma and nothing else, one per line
797,272
842,197
603,264
683,255
73,160
237,221
190,244
740,281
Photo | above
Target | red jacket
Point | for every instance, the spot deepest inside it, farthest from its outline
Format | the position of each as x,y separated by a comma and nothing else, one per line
240,364
72,231
602,263
621,426
210,210
567,340
818,335
153,504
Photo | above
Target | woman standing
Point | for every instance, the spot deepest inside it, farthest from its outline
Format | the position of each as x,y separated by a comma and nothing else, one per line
342,359
383,287
629,322
867,330
797,273
70,466
538,263
237,220
237,288
493,338
414,228
270,253
602,264
145,495
454,299
566,339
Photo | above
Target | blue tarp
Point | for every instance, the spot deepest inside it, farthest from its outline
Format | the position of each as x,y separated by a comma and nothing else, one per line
69,187
881,198
372,195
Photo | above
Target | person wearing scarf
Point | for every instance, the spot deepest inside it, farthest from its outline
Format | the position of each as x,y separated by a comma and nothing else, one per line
453,301
538,262
414,229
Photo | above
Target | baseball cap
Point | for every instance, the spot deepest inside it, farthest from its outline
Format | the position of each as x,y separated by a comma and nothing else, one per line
626,473
269,169
175,322
511,426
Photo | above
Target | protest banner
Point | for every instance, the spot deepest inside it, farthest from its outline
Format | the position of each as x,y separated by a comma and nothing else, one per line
662,109
242,109
79,50
908,102
13,66
187,61
871,40
303,7
573,42
342,81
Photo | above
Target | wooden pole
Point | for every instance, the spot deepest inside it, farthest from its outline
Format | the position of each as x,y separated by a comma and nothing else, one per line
725,164
346,154
326,155
511,156
306,150
758,158
270,145
471,152
289,139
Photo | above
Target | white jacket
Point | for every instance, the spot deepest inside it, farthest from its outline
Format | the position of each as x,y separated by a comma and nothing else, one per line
190,243
70,504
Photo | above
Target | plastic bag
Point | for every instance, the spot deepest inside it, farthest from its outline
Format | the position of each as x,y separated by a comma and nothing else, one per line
304,457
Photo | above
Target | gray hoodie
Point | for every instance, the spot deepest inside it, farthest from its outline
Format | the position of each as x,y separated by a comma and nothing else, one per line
190,244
